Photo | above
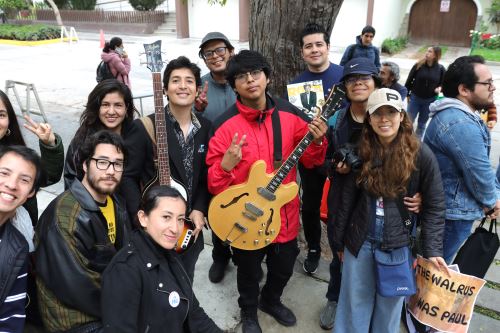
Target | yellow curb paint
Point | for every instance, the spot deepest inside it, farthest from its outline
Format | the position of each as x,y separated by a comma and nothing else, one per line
34,43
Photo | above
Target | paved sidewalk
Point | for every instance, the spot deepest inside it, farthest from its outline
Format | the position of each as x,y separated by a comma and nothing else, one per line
65,74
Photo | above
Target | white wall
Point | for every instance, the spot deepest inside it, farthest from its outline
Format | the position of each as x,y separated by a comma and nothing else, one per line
204,18
387,18
350,21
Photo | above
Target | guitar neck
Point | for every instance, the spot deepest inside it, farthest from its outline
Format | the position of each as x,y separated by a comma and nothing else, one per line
161,132
289,163
334,101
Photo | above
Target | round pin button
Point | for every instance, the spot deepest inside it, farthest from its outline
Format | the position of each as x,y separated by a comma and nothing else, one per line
174,299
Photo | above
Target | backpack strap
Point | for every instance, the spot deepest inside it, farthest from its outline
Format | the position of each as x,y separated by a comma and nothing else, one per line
351,51
148,126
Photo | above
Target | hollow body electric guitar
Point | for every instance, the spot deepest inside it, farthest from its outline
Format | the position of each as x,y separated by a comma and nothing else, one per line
163,176
247,216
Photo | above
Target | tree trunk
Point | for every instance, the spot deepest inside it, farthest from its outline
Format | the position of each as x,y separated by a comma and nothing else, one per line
275,27
56,12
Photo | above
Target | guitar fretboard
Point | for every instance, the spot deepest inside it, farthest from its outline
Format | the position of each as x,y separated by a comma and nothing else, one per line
332,103
161,132
289,163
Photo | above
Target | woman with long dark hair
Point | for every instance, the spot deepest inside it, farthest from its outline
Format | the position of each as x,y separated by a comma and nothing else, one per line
115,56
424,84
110,106
395,165
145,288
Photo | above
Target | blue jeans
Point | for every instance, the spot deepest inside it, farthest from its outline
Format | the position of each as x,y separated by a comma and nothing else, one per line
455,233
420,106
360,308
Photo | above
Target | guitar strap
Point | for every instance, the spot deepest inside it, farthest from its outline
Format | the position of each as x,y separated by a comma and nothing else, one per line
278,154
148,125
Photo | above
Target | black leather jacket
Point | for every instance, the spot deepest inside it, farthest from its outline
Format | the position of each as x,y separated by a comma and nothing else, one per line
137,291
72,251
357,210
13,255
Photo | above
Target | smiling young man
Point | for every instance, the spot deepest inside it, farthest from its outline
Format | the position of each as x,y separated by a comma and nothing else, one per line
187,138
244,135
20,178
216,97
315,47
462,142
363,48
78,235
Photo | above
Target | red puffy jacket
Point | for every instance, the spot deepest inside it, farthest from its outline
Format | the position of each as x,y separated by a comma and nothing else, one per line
257,126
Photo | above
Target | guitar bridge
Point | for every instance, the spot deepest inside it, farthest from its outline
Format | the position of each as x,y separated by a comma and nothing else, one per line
266,194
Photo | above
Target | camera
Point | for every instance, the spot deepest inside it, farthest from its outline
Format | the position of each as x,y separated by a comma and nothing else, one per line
347,153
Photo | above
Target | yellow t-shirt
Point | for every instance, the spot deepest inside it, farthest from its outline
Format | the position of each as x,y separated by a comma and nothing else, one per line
108,210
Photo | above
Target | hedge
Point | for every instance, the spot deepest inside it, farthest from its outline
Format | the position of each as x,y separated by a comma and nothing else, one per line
29,32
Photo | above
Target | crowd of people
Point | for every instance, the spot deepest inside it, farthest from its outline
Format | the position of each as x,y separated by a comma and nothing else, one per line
104,256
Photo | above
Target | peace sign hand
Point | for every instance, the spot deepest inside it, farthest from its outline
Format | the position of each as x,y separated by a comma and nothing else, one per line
43,131
233,155
201,101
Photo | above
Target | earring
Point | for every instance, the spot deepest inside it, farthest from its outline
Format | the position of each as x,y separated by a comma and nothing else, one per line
8,132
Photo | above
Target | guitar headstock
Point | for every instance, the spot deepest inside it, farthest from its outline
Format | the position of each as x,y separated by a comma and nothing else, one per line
153,56
334,101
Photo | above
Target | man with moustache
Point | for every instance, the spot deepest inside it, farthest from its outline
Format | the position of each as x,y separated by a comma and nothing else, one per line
187,137
20,178
461,142
216,97
78,235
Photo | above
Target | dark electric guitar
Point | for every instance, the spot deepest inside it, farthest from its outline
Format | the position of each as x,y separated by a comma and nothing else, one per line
247,216
163,176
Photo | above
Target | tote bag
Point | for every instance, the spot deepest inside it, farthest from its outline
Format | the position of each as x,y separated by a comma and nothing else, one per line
477,253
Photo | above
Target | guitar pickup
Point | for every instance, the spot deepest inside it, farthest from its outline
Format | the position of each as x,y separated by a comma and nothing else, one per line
249,216
253,209
268,195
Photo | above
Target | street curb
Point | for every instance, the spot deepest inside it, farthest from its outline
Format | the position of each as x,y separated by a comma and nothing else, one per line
35,43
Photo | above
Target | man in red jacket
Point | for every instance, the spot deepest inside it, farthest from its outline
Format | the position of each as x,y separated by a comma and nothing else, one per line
242,136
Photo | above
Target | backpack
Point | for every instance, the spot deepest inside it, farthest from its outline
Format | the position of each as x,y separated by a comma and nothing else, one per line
103,72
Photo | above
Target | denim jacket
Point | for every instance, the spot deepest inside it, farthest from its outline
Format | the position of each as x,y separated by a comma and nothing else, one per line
461,142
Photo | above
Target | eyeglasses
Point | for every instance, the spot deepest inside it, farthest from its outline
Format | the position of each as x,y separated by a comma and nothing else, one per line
220,51
255,74
103,164
117,106
488,83
355,78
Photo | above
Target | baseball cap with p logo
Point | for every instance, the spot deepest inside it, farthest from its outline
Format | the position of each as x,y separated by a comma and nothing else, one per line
384,96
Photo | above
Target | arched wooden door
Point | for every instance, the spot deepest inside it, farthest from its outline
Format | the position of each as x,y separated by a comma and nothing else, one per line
430,26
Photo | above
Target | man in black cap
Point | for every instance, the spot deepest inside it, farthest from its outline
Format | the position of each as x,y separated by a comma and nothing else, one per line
216,97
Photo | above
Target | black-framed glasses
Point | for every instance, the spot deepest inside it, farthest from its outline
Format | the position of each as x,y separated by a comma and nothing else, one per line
103,164
488,83
351,80
255,74
220,51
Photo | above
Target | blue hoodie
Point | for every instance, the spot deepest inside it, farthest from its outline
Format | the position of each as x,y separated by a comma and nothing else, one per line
461,142
359,50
